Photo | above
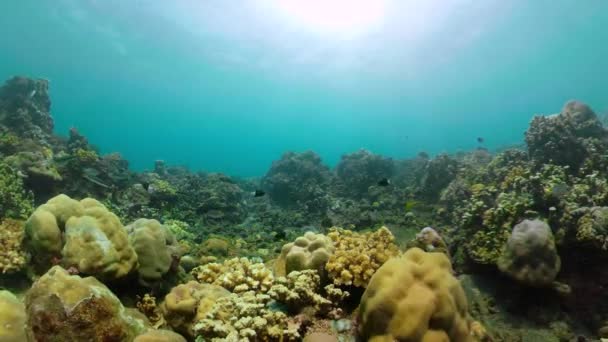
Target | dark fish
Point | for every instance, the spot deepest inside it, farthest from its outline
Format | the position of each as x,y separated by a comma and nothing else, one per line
384,182
259,193
480,140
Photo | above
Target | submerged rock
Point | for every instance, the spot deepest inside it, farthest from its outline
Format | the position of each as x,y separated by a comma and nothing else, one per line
64,307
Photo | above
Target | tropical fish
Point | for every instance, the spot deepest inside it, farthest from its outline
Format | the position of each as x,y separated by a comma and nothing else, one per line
410,204
480,140
259,193
384,182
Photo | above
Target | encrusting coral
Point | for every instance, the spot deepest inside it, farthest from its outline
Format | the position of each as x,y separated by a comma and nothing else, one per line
12,256
358,256
156,249
415,297
12,318
236,275
64,307
530,256
84,235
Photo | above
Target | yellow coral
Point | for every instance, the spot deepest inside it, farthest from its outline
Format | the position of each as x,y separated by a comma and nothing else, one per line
84,234
188,303
415,298
12,257
357,256
245,317
12,318
236,275
308,252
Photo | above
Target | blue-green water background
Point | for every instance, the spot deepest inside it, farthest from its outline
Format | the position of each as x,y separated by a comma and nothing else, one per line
228,86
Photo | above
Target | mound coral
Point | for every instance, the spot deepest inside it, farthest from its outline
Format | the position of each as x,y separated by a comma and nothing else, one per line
358,256
188,303
12,256
159,336
96,243
415,297
64,307
12,318
237,275
308,252
156,249
530,256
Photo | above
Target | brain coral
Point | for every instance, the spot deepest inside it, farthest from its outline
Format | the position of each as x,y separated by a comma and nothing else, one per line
414,297
96,243
530,256
156,249
357,256
12,318
308,252
62,307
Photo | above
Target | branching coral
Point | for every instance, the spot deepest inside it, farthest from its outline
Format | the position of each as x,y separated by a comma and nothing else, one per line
15,201
300,289
12,257
357,256
245,317
237,275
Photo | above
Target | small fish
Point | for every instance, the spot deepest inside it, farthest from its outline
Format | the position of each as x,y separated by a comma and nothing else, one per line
32,93
258,193
480,140
384,182
410,204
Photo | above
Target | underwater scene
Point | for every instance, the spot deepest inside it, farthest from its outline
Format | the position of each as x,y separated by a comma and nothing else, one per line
303,170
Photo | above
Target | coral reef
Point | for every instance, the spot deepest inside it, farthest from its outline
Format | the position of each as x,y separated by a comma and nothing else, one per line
147,306
530,256
567,138
298,180
155,247
12,318
415,298
64,307
358,256
12,256
358,171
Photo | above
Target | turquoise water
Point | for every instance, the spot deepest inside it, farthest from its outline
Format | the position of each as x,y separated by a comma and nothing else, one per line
230,85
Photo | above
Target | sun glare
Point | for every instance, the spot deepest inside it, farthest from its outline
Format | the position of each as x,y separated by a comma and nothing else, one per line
341,18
